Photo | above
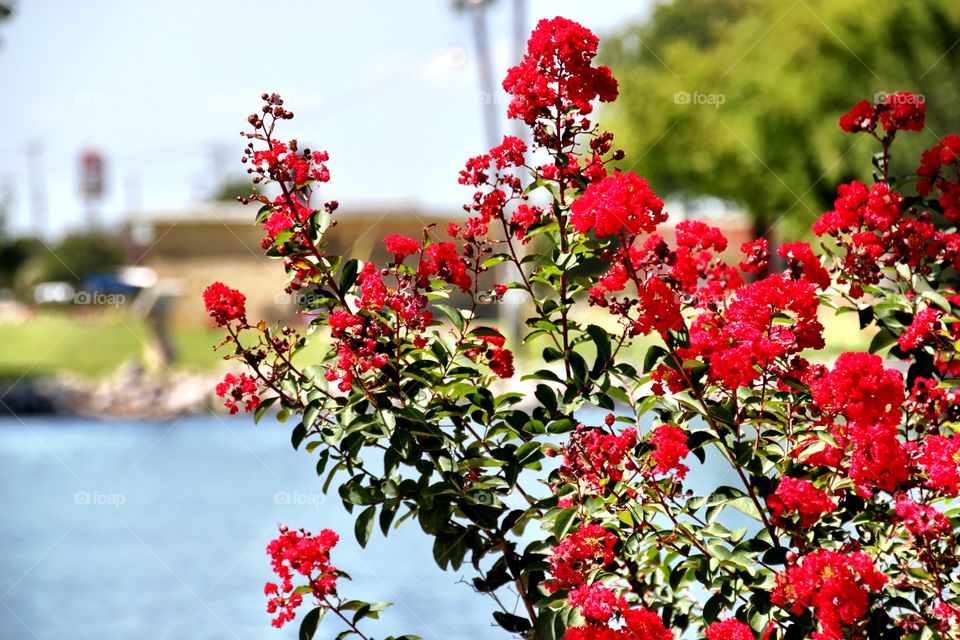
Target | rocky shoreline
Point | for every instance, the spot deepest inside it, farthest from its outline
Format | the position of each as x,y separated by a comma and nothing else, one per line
130,393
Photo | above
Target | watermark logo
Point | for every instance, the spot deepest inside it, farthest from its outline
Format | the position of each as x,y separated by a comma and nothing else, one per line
298,298
99,499
698,98
298,498
898,98
511,298
98,99
99,298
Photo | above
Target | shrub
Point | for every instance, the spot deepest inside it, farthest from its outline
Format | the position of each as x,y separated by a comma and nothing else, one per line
833,524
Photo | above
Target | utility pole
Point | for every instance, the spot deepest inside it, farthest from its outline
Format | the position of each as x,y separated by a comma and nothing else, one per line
6,203
37,185
488,87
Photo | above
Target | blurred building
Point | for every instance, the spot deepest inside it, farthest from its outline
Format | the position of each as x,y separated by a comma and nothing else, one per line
197,245
200,244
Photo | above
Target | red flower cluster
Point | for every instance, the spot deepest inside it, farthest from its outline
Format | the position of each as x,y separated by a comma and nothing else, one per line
922,521
283,162
499,358
596,458
744,341
835,585
939,458
299,552
621,204
670,447
921,329
802,263
589,547
442,260
556,73
357,337
868,398
638,624
239,390
523,218
224,304
932,175
799,497
902,111
401,247
930,401
596,602
488,205
757,254
731,629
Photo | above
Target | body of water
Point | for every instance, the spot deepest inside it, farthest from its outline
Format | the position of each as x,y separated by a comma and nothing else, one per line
158,531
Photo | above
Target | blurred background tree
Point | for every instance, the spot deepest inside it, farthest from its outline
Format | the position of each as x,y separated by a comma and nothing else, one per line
231,188
784,73
72,259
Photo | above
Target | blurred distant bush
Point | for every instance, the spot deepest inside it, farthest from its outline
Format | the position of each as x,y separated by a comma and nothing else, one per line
74,258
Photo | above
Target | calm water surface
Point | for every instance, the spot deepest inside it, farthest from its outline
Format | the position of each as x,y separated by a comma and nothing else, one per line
158,530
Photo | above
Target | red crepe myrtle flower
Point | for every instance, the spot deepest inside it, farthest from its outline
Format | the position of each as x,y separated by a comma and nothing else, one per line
639,623
224,304
587,548
401,247
800,497
299,552
835,585
802,263
595,458
858,208
903,111
239,390
442,260
508,153
731,629
523,218
557,73
757,254
939,457
929,400
642,624
499,359
373,292
868,397
921,329
596,602
670,444
933,161
744,340
621,203
860,389
860,118
922,521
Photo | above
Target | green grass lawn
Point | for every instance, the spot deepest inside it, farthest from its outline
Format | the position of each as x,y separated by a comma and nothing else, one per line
53,343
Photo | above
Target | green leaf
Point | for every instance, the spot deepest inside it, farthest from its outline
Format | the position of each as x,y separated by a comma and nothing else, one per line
348,275
512,623
881,341
452,314
601,338
299,433
308,626
363,527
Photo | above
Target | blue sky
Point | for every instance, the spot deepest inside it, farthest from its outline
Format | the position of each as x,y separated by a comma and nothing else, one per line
163,88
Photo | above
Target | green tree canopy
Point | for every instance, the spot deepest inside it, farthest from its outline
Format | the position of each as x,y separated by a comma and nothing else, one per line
739,99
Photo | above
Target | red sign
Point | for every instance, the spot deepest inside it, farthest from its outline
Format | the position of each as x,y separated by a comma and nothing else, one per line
91,174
